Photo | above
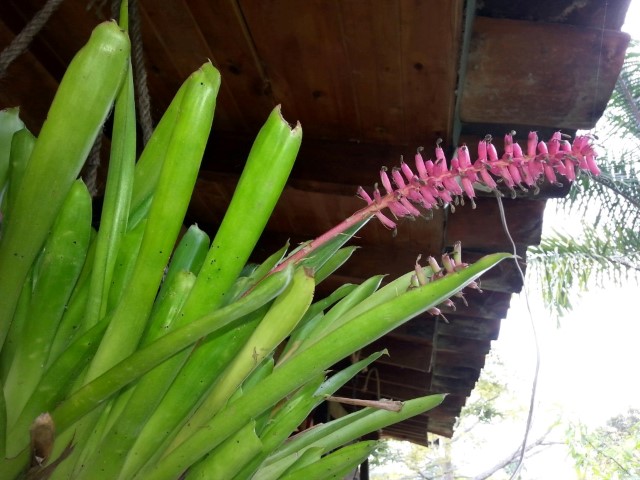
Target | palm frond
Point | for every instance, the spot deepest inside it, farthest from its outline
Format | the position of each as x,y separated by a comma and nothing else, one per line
623,111
565,266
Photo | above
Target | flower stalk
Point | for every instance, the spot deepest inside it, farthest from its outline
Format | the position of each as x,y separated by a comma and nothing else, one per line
438,183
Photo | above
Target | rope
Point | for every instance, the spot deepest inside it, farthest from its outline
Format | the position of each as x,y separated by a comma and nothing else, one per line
93,163
142,97
139,72
21,42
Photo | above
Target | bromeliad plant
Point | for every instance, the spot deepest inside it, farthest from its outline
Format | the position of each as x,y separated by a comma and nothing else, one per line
124,357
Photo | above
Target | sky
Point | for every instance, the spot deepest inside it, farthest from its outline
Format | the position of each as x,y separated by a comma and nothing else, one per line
589,365
595,350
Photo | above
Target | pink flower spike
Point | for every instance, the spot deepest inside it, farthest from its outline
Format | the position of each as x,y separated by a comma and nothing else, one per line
420,167
455,166
535,168
559,167
532,143
515,173
386,183
457,252
506,177
580,143
406,171
482,150
591,164
550,174
542,148
415,196
428,195
582,163
487,179
448,303
430,167
386,221
468,187
362,193
420,275
527,178
450,184
508,144
439,168
445,195
570,169
397,177
440,156
464,159
517,150
492,152
413,211
554,143
398,209
433,263
447,263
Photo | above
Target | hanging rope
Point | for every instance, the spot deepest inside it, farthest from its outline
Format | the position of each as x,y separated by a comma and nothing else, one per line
93,163
140,83
21,42
139,72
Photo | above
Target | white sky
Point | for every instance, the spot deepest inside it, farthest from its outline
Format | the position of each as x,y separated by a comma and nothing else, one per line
589,366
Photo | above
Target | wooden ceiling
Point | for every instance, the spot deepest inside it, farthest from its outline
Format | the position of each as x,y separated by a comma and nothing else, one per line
369,81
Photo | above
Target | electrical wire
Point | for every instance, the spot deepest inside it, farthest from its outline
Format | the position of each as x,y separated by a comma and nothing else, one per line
503,218
536,373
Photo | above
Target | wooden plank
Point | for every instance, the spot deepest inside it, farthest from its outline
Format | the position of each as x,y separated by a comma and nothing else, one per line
301,47
487,305
482,229
466,375
460,359
401,353
400,433
449,343
53,50
470,327
431,41
511,78
373,27
163,77
444,428
392,375
221,24
450,386
180,41
393,392
592,13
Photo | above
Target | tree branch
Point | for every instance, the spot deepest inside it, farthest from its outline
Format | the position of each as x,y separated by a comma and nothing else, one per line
512,457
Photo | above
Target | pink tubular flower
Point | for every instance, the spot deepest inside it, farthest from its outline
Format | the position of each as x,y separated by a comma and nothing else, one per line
441,182
430,187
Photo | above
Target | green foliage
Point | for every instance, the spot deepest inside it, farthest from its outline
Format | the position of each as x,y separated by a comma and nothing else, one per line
608,452
608,249
170,361
566,265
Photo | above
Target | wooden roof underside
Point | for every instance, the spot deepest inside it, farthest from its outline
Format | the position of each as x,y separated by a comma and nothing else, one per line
368,81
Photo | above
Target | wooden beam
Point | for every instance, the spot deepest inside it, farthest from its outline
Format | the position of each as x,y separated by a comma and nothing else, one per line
521,72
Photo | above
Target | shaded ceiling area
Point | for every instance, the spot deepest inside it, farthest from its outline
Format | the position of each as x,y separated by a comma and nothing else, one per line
369,81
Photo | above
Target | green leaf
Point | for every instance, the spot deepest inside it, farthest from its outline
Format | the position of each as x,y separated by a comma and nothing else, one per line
319,356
